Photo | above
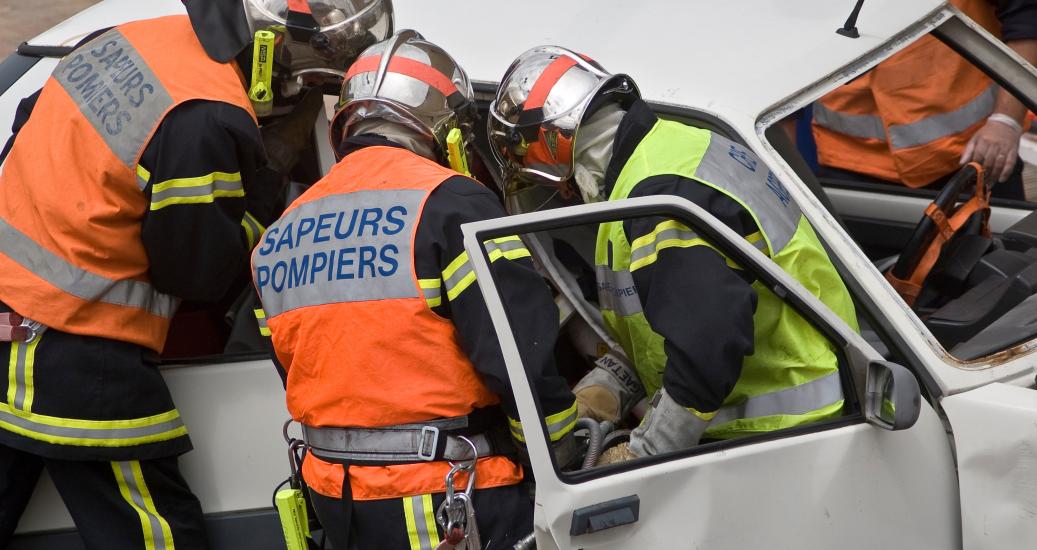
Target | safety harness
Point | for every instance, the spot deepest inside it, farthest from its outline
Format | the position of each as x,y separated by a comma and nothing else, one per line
948,223
400,444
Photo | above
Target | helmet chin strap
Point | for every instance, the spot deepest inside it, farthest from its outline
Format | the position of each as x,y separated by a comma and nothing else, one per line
593,151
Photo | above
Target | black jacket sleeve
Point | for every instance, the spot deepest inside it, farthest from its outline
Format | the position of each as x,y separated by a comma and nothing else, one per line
1018,19
702,306
198,168
528,301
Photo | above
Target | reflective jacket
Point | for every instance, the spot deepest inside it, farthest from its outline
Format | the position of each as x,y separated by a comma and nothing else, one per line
354,326
79,265
792,376
909,119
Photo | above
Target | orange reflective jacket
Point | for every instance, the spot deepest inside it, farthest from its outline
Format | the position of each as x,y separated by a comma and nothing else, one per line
349,320
71,200
909,118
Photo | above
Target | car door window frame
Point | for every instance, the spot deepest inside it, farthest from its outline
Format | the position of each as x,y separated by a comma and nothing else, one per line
852,348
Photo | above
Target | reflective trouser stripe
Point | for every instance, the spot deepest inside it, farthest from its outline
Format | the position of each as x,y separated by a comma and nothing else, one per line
558,424
157,534
421,522
430,289
920,132
801,399
939,126
264,329
19,374
459,274
202,189
92,433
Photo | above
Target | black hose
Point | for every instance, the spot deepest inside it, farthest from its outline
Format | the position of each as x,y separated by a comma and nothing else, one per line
594,441
528,542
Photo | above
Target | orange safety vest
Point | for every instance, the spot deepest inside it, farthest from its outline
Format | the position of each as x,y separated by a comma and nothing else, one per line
71,200
909,119
349,320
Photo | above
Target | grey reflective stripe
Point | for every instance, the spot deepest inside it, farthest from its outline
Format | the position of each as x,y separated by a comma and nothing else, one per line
458,275
349,247
432,294
106,437
22,351
650,248
264,329
143,177
505,246
116,92
417,504
858,126
561,425
801,399
203,190
78,282
616,291
736,170
157,540
934,127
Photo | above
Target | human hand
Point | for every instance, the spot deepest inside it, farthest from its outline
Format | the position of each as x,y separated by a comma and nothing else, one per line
597,402
996,147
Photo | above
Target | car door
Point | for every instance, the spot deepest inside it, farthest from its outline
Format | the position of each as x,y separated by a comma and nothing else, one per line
844,483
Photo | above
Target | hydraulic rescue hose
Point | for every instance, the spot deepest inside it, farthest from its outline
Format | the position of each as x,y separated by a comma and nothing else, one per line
594,441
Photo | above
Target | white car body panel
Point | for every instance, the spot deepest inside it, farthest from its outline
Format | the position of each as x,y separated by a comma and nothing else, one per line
995,438
738,61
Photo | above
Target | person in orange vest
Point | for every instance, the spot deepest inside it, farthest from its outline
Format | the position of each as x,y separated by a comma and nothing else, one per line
393,366
124,192
920,115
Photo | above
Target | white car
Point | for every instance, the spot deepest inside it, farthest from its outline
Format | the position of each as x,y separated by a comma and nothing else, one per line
960,474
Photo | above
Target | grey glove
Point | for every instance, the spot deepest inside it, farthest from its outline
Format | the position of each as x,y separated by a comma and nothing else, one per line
667,427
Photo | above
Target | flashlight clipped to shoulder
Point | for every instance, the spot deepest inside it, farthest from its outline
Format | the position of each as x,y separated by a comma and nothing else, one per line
456,154
261,92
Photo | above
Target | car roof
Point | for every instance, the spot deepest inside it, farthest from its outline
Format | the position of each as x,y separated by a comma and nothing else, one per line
734,59
724,57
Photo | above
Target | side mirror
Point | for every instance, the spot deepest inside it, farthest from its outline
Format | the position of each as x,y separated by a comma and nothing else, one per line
892,399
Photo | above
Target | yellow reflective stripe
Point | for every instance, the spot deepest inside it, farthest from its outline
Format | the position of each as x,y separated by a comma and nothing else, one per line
19,374
143,177
459,274
681,241
707,416
92,433
430,289
421,524
259,313
558,425
264,329
134,490
197,190
430,519
253,229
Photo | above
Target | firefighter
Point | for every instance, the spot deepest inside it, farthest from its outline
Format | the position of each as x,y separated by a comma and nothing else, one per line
393,367
720,355
921,114
124,192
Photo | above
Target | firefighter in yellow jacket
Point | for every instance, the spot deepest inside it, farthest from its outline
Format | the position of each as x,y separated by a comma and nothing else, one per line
124,192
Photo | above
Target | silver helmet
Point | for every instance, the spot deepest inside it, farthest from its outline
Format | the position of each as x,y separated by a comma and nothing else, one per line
320,36
541,101
410,81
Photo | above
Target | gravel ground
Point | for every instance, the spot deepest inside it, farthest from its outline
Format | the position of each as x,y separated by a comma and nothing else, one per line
20,21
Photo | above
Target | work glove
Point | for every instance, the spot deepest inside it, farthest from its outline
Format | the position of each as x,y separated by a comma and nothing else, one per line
995,146
667,427
609,390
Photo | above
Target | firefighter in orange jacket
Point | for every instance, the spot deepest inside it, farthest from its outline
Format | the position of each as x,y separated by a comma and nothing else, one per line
374,311
921,114
124,191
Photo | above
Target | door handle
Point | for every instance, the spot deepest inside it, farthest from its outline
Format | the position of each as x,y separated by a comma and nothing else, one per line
605,515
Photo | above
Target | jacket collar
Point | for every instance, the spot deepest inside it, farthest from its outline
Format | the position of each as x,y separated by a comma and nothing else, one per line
635,125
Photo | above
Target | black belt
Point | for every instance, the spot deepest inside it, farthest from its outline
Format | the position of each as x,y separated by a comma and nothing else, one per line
401,444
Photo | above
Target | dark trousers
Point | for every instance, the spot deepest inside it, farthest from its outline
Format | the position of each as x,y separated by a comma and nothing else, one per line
116,505
504,515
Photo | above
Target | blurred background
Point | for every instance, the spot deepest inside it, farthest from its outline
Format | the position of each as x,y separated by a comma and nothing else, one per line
20,21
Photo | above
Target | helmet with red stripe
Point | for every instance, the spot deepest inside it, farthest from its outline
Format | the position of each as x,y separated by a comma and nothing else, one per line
542,99
409,81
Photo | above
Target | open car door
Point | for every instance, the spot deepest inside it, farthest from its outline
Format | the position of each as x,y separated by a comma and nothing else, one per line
852,482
